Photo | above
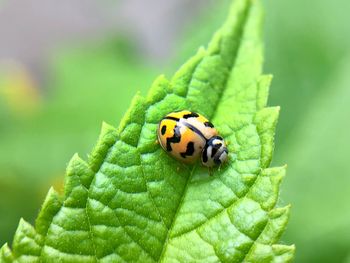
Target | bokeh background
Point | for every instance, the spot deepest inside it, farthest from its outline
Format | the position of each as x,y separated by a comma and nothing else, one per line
66,66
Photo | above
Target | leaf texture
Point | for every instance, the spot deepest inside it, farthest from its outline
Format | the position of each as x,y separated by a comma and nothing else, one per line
131,202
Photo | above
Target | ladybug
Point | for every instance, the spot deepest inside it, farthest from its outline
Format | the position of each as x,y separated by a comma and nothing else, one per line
187,135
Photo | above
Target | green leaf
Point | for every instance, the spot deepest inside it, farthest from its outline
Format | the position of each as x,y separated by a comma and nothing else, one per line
131,202
62,121
312,142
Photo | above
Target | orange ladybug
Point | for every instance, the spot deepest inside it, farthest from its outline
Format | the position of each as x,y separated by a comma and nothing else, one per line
187,136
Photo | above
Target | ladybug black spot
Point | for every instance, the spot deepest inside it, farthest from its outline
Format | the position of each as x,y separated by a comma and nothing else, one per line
208,124
205,155
215,149
189,150
172,118
175,139
163,129
190,115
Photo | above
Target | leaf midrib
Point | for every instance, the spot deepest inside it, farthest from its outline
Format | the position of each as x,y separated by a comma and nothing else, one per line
244,23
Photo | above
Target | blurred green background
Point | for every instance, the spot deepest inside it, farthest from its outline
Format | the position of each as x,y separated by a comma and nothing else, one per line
52,104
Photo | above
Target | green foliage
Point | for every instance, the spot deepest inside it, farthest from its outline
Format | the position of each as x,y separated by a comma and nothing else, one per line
132,202
330,215
307,48
88,86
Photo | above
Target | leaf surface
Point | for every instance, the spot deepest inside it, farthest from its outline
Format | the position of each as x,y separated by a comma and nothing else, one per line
131,202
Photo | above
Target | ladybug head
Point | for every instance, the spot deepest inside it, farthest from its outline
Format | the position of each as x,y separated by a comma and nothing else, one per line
214,152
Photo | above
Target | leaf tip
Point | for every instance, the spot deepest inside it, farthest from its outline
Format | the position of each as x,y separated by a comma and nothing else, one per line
264,84
77,167
160,87
107,126
22,221
135,113
277,174
74,159
281,211
108,136
284,253
50,207
6,254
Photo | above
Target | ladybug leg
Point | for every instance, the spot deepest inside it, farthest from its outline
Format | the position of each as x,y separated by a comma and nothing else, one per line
210,171
219,168
156,142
